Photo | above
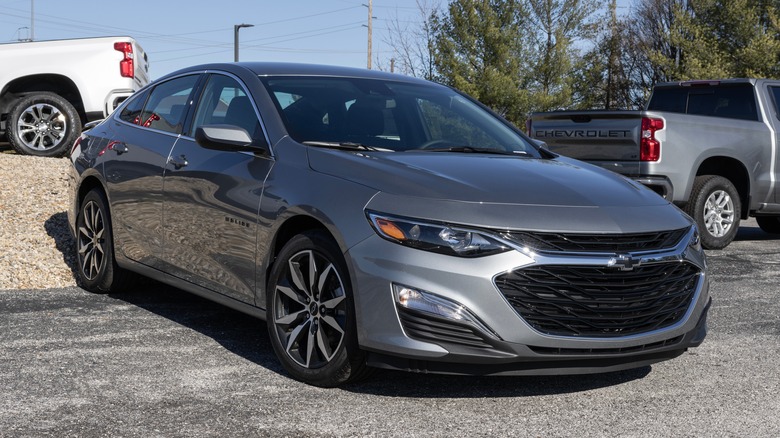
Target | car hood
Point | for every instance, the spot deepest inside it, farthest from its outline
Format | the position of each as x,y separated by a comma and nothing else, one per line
502,191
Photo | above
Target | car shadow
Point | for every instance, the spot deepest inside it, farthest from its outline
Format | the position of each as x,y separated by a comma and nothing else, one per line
407,384
247,337
750,233
237,332
57,228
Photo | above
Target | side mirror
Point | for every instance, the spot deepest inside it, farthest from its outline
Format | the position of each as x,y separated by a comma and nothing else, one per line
225,138
540,144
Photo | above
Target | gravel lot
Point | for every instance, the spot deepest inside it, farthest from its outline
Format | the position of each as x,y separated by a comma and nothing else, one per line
160,362
36,248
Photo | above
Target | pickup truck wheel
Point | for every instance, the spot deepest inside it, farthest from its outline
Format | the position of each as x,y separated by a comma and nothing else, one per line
715,206
43,124
770,224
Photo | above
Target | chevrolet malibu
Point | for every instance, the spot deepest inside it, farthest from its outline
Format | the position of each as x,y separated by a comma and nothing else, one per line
376,220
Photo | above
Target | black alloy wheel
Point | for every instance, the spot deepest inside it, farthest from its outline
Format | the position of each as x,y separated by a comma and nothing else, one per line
97,268
310,315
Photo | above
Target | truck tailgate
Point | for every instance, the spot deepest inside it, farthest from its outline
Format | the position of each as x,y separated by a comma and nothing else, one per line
606,138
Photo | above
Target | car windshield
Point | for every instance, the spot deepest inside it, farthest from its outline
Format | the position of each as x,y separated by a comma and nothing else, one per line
373,114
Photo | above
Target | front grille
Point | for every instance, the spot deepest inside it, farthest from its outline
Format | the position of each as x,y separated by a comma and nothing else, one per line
600,301
428,328
571,242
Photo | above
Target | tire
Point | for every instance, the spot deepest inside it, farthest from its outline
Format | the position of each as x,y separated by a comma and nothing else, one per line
97,268
313,329
716,207
43,124
770,224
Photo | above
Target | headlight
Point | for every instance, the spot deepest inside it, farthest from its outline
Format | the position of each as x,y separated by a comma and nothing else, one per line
441,238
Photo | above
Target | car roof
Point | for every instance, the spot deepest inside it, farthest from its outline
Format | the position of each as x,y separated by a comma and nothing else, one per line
298,69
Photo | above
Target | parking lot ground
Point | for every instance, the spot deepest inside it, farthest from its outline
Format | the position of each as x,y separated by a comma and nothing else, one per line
160,362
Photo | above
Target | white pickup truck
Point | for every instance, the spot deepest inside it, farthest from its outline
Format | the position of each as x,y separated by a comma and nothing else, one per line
49,89
710,147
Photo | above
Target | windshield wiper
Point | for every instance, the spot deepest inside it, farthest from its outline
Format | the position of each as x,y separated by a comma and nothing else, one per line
474,150
348,145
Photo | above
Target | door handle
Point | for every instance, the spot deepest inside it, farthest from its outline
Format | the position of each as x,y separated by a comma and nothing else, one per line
118,147
178,163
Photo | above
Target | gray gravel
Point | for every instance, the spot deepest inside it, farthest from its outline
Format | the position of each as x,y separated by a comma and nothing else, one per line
160,362
36,249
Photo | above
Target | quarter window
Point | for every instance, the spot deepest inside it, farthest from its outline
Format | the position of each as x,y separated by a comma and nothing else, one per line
131,113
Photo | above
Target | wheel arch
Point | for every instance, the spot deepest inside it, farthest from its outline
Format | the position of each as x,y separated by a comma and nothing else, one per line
53,83
733,170
87,184
290,228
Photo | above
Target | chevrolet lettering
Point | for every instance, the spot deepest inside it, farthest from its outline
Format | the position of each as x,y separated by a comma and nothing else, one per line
559,133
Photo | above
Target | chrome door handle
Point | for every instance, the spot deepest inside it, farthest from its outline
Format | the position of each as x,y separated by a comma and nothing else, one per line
178,163
118,147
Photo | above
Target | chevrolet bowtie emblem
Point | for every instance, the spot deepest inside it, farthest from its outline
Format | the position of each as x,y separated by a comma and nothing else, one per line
624,262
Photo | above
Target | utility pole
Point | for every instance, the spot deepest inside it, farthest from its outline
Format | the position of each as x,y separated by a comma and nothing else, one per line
32,20
370,7
236,27
612,63
392,65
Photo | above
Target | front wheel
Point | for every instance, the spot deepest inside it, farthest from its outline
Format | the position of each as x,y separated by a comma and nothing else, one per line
310,313
716,207
770,224
43,124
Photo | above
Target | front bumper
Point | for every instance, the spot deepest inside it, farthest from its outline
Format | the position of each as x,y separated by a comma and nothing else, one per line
507,344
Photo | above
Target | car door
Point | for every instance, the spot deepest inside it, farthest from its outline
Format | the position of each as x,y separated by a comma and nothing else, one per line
143,135
211,197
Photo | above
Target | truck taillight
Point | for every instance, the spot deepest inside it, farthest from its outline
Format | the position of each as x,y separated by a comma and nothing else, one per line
649,146
126,67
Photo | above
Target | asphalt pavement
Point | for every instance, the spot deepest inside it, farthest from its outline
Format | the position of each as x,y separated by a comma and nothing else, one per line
160,362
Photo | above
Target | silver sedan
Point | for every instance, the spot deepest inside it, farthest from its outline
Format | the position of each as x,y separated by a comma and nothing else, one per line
376,220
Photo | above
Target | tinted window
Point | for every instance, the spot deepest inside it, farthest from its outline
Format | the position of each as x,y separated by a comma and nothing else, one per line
397,116
669,99
776,98
224,101
131,113
166,107
732,101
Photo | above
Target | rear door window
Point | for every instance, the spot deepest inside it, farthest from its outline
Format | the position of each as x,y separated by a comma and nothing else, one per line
166,107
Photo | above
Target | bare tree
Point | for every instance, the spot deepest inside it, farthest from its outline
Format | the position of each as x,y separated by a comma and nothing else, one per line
413,42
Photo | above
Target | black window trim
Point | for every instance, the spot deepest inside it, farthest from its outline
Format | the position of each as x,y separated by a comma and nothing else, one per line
150,90
199,94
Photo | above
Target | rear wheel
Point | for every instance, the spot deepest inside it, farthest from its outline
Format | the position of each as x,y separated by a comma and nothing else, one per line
310,313
770,224
97,270
715,206
43,124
